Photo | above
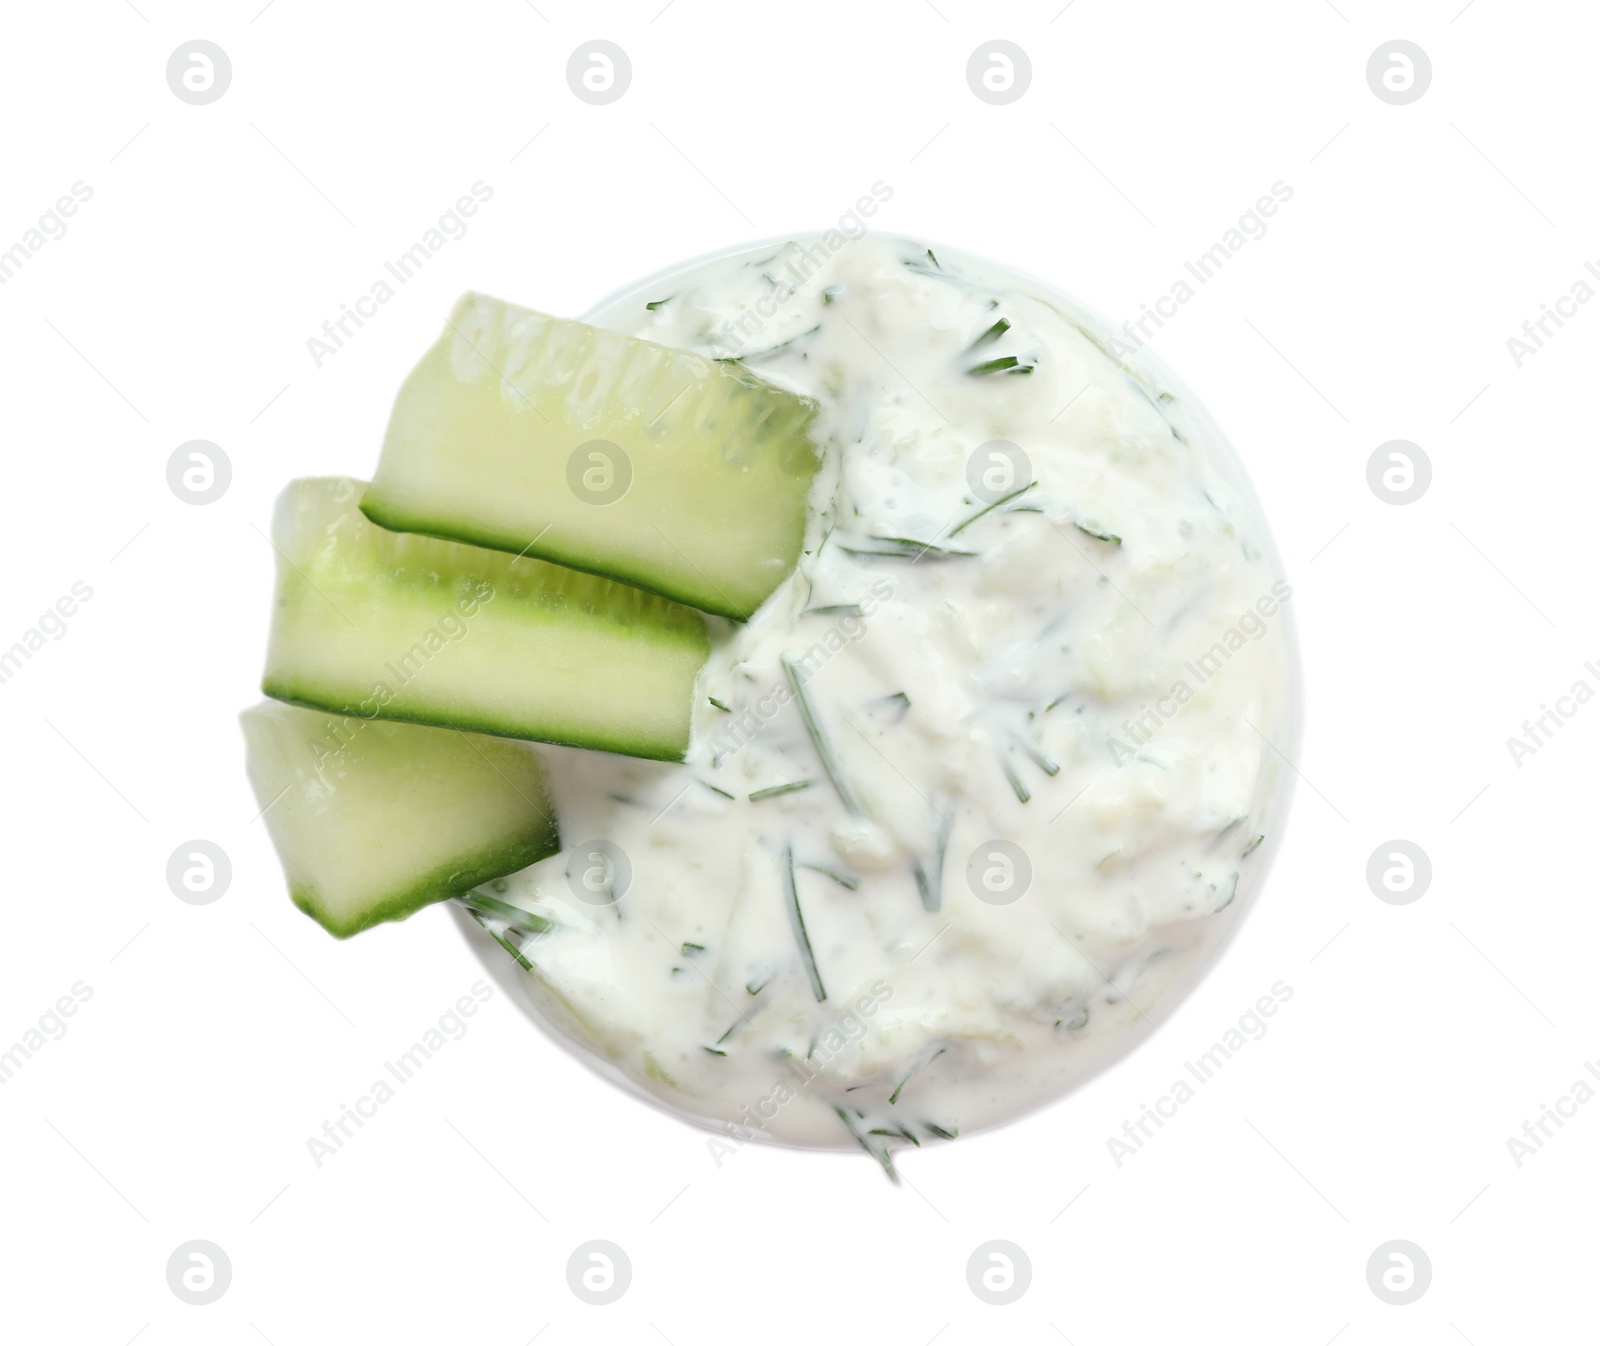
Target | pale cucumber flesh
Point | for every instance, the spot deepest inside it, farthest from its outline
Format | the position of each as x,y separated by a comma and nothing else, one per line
373,819
658,467
403,627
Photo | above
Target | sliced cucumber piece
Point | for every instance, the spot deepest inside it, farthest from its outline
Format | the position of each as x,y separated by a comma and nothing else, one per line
658,467
373,623
374,819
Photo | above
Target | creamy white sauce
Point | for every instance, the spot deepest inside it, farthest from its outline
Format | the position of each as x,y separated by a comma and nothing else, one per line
1149,675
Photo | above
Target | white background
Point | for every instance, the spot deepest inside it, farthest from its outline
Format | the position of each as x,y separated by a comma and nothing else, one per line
178,306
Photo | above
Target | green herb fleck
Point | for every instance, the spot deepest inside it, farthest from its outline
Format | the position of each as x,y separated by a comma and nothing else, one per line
476,902
899,1088
836,610
725,709
786,789
898,705
1098,534
878,1152
1254,842
716,789
780,347
930,881
502,941
1040,759
819,740
791,896
1002,364
1000,327
939,1131
972,519
654,304
690,948
849,881
907,549
1023,793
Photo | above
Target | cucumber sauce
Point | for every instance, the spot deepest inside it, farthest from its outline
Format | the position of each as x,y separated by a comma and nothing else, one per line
1009,726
